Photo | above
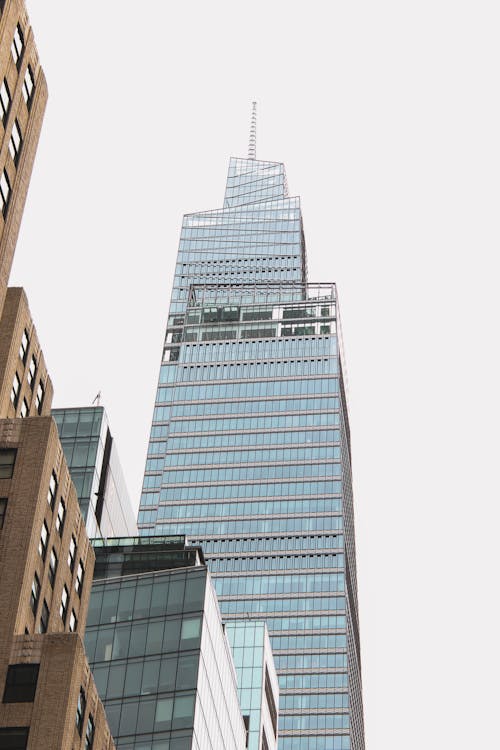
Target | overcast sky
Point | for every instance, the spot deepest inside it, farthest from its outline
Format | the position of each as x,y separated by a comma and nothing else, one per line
386,115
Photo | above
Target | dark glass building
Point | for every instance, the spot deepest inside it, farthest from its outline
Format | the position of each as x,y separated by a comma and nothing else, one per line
157,648
249,452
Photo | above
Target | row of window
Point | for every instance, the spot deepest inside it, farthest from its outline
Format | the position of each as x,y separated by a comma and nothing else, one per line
307,701
254,370
6,98
307,642
268,544
328,680
146,676
259,508
261,489
162,413
262,389
243,439
253,352
31,376
252,407
314,721
295,562
142,638
148,598
320,622
319,742
272,227
251,473
130,717
288,604
246,526
310,661
279,584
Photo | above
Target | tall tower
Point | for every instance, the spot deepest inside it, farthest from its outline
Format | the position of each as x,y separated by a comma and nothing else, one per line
249,453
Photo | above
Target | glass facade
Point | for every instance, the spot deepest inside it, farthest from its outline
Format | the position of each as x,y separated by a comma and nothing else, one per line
95,470
160,660
257,681
249,452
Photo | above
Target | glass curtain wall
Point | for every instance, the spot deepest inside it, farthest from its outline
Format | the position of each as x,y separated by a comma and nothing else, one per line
249,453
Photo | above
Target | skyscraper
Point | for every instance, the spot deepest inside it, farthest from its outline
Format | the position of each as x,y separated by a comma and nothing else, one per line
249,452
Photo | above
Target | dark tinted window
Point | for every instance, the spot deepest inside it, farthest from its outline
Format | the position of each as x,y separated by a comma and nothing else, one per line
14,738
20,685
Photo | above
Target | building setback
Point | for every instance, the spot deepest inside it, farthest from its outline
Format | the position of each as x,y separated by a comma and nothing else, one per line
249,453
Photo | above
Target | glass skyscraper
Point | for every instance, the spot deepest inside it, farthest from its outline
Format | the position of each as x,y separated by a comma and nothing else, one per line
249,453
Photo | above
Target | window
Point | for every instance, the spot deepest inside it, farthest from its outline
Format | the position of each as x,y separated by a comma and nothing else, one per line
89,734
35,594
52,567
44,618
4,101
7,460
80,711
61,515
44,539
25,342
80,574
3,510
20,685
4,192
17,46
14,738
28,86
24,408
16,387
40,393
32,372
73,622
72,553
63,609
51,495
15,145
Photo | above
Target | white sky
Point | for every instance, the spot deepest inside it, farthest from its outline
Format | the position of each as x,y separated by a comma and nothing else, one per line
386,115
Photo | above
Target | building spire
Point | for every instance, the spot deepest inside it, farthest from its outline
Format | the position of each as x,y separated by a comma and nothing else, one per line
252,141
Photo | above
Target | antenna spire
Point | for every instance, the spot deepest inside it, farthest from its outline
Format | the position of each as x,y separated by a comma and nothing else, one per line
252,141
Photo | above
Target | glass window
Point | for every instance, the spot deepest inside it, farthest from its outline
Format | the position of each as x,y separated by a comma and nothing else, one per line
7,460
4,101
14,738
80,711
52,567
15,144
63,609
116,681
16,387
44,539
44,618
40,393
35,593
25,342
163,714
20,685
24,409
51,495
28,86
73,622
72,553
3,510
32,372
80,574
61,515
4,192
17,46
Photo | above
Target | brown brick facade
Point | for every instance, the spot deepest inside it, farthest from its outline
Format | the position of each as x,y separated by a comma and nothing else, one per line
25,113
